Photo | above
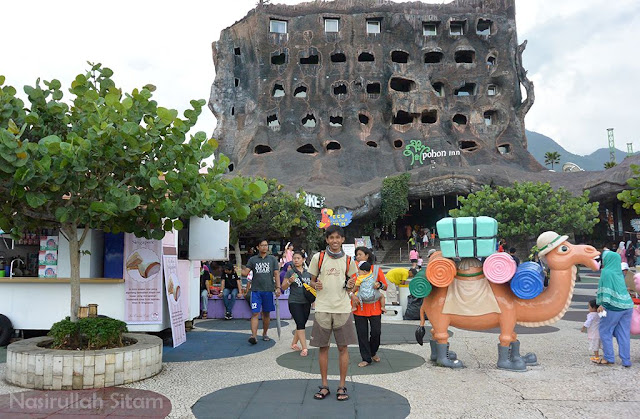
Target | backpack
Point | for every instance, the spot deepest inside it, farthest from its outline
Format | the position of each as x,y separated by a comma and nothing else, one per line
366,292
346,272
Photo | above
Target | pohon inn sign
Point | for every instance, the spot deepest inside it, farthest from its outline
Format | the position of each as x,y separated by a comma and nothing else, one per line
420,152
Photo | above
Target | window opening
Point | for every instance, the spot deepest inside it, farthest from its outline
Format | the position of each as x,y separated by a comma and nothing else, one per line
465,56
300,92
233,110
236,51
484,27
277,26
307,149
492,90
364,119
398,143
399,57
439,88
230,167
469,89
262,149
366,57
279,59
340,89
457,28
429,116
272,121
335,121
373,26
402,85
460,119
433,57
278,90
236,82
373,88
430,28
372,144
331,25
489,118
504,148
357,85
491,61
309,121
333,145
338,57
468,145
312,59
402,118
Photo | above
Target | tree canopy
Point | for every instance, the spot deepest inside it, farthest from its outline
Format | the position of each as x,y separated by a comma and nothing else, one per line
395,198
528,209
551,158
631,197
108,160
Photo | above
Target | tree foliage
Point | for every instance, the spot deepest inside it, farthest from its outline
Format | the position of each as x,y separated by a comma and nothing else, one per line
528,209
631,197
551,158
108,160
395,198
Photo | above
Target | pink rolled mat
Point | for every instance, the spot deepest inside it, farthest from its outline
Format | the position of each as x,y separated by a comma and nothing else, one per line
499,268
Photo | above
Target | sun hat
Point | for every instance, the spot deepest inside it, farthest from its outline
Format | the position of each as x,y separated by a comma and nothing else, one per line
548,241
624,266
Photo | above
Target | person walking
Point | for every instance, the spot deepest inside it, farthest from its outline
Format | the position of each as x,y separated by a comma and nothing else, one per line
299,306
612,296
332,274
265,275
369,314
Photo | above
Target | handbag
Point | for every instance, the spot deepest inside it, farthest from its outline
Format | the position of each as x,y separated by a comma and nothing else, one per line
309,293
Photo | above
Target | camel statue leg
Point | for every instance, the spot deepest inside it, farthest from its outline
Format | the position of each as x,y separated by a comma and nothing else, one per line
440,352
506,359
530,358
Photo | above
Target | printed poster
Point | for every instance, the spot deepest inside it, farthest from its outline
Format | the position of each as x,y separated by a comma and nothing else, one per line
142,280
175,296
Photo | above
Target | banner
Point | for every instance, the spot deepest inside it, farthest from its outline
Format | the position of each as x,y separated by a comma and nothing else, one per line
176,293
142,280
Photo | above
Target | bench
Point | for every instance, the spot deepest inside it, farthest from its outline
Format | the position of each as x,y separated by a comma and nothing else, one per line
241,309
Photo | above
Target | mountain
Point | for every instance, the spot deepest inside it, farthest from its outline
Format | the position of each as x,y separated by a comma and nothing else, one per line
540,144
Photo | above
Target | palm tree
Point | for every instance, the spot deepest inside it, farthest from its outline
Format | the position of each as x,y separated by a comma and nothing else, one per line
609,164
551,158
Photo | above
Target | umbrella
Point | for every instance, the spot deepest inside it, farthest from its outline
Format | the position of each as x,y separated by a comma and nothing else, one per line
278,322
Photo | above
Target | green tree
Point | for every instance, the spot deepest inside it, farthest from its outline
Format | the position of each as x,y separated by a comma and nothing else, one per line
395,198
631,197
278,214
527,209
609,164
111,161
551,158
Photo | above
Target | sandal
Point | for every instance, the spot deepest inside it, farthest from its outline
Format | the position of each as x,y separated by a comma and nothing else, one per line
295,347
204,315
342,395
266,338
595,359
304,352
321,395
252,340
604,362
362,364
375,358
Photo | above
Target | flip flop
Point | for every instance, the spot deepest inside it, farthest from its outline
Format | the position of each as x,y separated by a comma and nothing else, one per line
604,362
304,352
295,347
362,364
375,358
266,338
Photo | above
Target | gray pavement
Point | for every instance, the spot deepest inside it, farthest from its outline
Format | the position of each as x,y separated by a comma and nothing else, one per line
3,354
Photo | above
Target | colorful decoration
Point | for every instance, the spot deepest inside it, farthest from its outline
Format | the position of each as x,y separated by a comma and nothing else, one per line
328,218
419,287
499,268
528,281
440,270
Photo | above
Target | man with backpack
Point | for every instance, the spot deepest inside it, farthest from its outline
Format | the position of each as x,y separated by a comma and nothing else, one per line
332,275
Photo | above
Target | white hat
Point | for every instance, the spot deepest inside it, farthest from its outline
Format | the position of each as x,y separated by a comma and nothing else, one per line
625,266
548,241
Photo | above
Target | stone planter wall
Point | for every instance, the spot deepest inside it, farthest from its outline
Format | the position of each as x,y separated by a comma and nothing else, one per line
31,366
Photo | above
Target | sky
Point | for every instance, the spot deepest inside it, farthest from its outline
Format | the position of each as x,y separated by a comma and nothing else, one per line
581,55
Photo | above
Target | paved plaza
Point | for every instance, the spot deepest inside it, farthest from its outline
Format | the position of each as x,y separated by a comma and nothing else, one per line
217,374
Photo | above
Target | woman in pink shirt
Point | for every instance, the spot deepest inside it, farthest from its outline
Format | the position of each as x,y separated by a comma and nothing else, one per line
413,257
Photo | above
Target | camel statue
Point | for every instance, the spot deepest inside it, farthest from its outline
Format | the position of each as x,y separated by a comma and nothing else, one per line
499,307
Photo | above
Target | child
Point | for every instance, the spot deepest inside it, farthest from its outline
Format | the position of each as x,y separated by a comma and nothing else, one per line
365,285
591,326
420,261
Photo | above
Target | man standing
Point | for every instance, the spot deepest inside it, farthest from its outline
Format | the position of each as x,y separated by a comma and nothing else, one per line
512,252
332,277
265,275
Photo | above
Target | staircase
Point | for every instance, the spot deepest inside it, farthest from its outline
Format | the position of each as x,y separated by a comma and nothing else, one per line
391,252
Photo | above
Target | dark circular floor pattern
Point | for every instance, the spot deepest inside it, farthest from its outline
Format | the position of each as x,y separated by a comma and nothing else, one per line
97,403
235,324
205,345
294,399
391,361
521,330
391,334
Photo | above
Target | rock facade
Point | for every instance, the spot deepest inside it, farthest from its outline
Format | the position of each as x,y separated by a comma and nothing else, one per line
360,88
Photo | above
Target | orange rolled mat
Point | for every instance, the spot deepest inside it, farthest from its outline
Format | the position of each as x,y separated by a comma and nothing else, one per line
440,271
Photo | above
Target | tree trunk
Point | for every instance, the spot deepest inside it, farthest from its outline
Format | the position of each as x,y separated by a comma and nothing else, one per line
236,250
70,231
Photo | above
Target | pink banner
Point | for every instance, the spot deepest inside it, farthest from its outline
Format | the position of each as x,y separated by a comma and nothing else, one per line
142,280
176,293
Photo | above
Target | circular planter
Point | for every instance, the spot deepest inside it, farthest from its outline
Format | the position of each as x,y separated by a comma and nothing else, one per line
30,366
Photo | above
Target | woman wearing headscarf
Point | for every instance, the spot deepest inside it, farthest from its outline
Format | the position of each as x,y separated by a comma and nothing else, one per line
613,297
622,251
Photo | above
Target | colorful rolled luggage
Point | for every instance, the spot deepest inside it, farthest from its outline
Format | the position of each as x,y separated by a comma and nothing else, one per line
528,282
467,236
440,271
419,286
499,268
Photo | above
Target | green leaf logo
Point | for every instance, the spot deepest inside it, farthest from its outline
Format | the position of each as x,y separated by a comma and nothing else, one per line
415,150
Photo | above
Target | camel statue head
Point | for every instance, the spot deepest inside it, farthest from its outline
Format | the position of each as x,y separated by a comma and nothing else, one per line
561,255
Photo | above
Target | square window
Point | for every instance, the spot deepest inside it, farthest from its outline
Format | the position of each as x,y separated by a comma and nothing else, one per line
457,28
491,90
373,26
430,29
277,26
331,25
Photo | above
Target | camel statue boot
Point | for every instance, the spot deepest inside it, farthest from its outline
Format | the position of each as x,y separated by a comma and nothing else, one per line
507,362
434,355
530,358
443,359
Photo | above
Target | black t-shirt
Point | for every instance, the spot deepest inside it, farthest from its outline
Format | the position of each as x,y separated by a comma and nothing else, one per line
230,280
203,278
